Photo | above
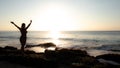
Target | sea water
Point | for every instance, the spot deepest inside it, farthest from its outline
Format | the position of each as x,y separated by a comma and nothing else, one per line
95,42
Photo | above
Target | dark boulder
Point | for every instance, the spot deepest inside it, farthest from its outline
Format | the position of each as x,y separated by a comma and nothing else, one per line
112,57
44,45
10,48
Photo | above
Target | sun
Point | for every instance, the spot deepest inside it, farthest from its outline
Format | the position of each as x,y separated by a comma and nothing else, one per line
53,18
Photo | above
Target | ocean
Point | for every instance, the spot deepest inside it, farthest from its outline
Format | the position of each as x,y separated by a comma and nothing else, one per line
94,42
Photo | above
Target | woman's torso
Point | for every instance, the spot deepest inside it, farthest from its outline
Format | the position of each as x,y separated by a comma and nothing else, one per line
23,32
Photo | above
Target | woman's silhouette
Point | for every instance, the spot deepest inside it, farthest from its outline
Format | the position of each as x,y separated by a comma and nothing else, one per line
23,30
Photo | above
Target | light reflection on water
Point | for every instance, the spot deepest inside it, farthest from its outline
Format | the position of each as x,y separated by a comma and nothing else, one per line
40,49
54,38
36,49
95,53
55,35
51,48
67,40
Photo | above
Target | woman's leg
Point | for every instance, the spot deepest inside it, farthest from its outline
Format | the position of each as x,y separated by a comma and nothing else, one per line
23,42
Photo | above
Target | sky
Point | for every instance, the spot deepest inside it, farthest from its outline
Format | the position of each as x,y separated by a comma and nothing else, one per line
60,15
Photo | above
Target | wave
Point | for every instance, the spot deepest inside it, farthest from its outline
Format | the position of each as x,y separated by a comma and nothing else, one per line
9,37
109,47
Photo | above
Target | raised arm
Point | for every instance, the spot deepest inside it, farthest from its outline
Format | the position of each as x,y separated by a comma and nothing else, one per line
15,25
29,24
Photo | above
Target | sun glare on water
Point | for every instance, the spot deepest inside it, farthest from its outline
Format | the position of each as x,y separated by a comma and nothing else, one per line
55,35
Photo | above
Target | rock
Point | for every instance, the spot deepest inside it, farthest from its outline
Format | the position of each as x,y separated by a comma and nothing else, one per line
10,48
58,58
65,55
112,57
44,45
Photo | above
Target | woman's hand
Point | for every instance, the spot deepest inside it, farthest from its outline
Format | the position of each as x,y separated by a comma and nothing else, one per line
12,22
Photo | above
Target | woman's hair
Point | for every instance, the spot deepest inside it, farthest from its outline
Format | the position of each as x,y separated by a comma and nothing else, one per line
23,25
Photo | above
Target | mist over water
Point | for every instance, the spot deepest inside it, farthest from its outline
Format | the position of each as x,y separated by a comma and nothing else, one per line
88,40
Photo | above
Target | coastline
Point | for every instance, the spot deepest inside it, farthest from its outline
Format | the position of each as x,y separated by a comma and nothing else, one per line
60,57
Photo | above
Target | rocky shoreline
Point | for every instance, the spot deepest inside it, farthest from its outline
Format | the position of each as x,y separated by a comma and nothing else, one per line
58,58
